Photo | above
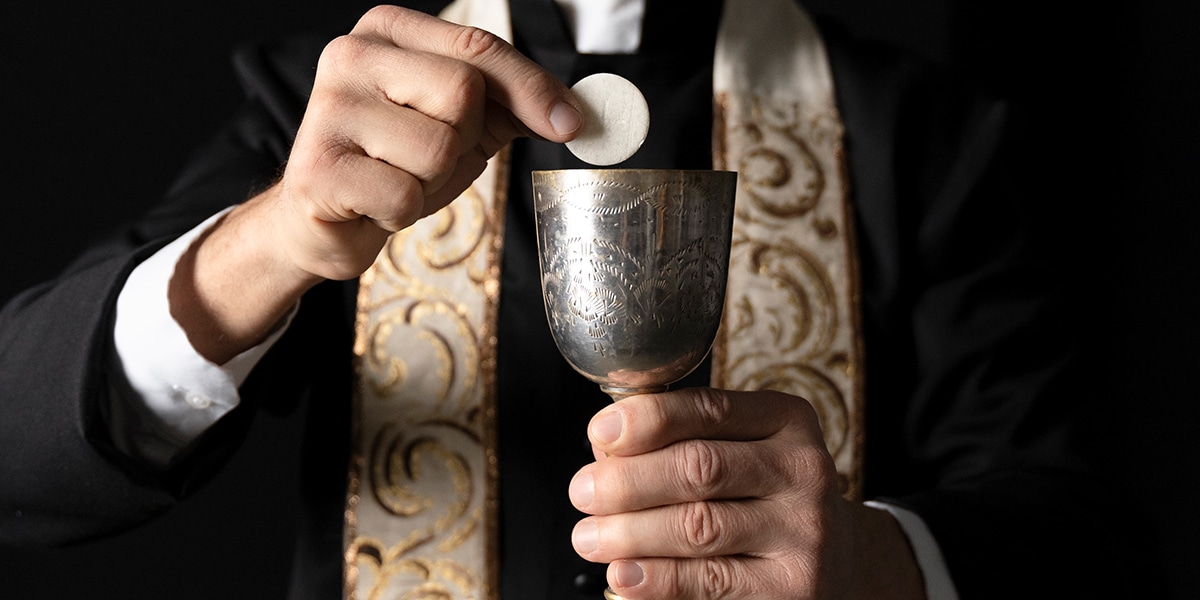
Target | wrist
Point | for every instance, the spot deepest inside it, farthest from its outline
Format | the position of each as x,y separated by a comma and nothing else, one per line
234,285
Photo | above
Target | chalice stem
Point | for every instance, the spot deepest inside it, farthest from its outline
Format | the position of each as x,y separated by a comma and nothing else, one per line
621,393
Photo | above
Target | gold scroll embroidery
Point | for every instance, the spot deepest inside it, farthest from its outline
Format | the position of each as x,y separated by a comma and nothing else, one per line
421,504
791,313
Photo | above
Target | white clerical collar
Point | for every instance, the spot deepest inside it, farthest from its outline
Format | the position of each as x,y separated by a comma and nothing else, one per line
605,26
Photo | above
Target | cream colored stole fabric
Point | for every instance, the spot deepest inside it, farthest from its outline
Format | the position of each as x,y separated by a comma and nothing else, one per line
421,507
792,313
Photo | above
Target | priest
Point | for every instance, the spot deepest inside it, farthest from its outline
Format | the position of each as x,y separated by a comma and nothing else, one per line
891,409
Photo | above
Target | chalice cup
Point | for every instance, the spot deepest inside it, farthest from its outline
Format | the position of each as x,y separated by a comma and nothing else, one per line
634,264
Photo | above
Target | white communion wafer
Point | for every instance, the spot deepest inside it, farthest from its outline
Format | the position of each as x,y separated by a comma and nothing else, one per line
616,119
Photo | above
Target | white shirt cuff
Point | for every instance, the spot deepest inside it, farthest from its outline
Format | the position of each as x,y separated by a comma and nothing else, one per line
938,584
173,394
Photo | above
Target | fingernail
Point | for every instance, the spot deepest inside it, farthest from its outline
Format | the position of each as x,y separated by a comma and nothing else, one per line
582,490
564,118
629,574
606,427
586,537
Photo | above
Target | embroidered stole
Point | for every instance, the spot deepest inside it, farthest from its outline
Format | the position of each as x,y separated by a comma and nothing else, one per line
421,511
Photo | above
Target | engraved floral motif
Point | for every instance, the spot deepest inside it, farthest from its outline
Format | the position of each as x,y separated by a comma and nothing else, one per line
602,285
633,267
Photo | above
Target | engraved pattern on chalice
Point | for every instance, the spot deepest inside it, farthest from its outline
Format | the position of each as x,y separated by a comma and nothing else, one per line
634,264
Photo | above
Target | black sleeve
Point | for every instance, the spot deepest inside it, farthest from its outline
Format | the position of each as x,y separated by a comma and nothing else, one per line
978,416
60,477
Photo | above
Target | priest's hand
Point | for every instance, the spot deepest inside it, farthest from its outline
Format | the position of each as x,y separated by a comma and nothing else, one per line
405,111
404,114
704,493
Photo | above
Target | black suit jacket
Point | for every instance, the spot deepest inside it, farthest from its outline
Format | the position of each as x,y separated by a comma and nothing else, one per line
975,414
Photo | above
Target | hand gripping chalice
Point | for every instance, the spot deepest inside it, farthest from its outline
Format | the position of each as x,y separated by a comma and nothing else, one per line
633,266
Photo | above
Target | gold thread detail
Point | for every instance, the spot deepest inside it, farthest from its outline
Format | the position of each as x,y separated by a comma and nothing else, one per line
791,319
421,514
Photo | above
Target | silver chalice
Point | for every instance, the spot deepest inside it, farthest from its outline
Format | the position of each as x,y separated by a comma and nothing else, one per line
633,264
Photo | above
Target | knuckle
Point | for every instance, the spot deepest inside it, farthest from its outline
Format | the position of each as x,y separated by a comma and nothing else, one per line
381,12
462,92
717,579
342,53
327,113
442,149
802,409
703,468
713,406
409,202
701,528
813,468
676,579
403,210
466,83
327,158
472,43
381,17
800,413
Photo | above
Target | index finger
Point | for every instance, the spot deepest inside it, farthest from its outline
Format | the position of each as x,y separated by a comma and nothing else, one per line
640,424
538,100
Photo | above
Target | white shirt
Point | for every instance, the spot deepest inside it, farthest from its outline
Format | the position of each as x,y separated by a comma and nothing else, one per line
174,394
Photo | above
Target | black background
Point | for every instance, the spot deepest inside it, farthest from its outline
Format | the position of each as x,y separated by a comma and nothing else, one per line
101,103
